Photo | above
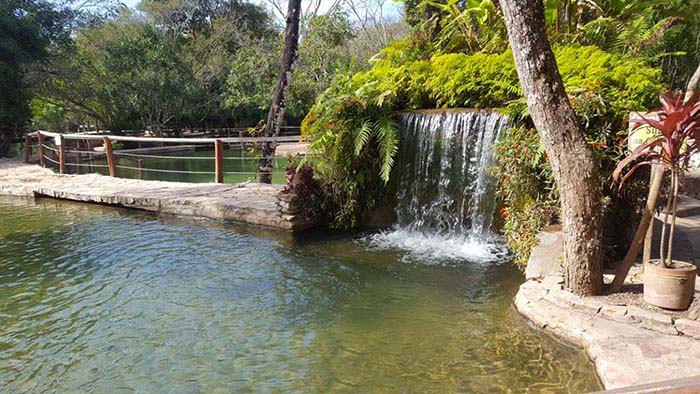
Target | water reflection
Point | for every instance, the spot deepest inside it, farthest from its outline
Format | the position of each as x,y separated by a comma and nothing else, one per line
97,299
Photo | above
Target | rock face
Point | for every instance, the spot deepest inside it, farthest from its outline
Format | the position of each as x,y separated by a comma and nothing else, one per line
251,203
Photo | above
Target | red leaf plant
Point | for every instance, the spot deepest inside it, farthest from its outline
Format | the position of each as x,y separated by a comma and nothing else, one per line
679,125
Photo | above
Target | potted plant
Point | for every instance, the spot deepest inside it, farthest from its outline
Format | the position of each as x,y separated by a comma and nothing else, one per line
667,283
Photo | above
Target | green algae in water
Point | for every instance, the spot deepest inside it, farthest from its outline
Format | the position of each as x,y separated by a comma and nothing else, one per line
103,300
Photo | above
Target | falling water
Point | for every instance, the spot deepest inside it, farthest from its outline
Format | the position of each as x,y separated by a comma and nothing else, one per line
445,198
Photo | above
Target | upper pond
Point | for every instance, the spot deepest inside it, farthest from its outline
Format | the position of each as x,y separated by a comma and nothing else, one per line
97,299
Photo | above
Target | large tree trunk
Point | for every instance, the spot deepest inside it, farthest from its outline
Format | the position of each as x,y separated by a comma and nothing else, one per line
573,164
279,100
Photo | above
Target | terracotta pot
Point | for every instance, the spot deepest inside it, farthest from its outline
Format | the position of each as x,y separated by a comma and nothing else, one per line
669,287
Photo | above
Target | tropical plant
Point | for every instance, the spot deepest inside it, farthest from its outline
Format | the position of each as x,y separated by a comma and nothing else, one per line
474,24
678,123
352,124
355,139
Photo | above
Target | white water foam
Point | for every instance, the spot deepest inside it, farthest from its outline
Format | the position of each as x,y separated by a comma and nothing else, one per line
430,248
445,199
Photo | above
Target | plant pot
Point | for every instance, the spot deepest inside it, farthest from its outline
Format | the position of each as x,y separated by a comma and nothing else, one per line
669,287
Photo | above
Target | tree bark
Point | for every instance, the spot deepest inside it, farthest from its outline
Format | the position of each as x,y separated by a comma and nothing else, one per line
643,234
7,136
692,85
573,164
279,101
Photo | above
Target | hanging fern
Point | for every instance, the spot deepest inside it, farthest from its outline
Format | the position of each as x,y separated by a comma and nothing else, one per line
386,131
363,136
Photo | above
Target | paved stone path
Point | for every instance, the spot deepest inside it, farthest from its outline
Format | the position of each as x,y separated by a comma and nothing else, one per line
252,203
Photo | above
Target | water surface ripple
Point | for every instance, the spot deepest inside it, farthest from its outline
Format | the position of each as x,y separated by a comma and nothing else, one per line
99,300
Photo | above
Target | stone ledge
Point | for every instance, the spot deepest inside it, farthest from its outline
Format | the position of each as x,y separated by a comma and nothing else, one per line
251,203
551,288
629,345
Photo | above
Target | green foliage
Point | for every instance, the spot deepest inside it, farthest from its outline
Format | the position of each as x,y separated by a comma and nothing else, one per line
188,63
322,54
353,133
125,74
526,191
250,82
46,116
27,28
604,87
479,80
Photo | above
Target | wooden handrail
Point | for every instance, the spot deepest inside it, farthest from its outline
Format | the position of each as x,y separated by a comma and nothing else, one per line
170,140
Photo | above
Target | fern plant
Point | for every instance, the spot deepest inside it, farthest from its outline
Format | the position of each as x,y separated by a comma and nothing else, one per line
385,131
355,140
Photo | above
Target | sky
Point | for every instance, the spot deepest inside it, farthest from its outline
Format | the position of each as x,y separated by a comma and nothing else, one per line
390,8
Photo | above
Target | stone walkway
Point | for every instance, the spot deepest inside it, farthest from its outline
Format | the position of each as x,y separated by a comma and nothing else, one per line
630,345
251,203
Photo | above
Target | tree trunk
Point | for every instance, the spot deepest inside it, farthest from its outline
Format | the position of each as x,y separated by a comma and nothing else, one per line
6,139
279,100
573,164
643,231
692,85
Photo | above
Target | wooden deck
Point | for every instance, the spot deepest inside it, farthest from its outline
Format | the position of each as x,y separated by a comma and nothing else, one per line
252,203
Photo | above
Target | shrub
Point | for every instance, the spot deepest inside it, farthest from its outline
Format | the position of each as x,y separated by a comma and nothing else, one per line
353,164
526,191
355,139
308,191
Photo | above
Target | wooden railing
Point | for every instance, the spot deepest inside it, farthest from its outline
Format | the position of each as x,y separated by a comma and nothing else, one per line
57,144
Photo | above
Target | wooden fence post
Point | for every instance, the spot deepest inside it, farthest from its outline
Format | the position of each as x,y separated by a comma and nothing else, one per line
27,147
139,162
110,158
61,154
219,161
78,158
41,148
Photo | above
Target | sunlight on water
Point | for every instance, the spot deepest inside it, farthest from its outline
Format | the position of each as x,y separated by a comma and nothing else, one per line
101,300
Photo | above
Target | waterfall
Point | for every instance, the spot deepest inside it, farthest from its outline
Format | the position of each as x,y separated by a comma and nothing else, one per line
446,197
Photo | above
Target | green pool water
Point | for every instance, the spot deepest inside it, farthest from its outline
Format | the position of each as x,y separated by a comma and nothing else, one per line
101,300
